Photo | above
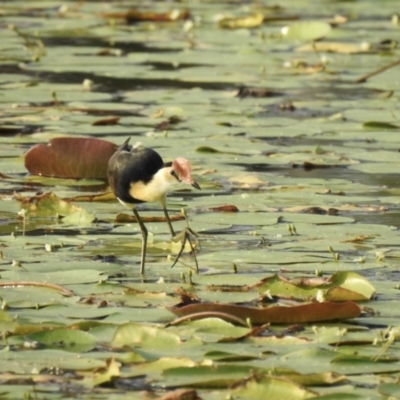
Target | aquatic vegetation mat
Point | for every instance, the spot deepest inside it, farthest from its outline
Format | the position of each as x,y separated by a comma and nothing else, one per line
288,114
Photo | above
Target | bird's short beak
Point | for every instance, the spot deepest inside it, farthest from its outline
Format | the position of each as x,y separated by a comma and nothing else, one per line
196,185
189,181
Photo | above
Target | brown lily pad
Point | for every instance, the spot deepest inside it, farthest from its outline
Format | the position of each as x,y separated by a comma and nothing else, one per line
71,158
311,312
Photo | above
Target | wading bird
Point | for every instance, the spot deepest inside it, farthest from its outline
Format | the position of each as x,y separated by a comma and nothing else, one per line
138,175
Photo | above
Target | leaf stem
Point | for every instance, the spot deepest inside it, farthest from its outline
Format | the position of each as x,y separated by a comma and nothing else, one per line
378,71
59,288
209,314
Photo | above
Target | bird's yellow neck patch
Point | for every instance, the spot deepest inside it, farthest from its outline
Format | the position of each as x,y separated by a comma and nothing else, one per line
156,189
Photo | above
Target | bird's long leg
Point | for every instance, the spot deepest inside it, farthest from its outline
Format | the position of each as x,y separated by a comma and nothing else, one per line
183,237
171,229
143,229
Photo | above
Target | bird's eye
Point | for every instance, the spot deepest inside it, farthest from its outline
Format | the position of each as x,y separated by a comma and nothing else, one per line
174,174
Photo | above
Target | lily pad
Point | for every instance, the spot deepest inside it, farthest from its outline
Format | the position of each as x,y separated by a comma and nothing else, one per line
70,340
306,30
70,158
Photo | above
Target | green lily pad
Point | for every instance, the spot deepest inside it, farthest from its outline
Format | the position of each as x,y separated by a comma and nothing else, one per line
306,30
67,339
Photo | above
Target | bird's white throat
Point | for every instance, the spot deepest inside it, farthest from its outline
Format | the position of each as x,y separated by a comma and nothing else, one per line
156,189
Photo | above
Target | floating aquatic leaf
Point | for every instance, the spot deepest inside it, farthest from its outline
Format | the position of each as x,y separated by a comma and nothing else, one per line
335,47
106,121
341,286
67,339
312,312
80,217
46,285
284,143
250,21
247,181
70,158
378,125
214,376
306,30
224,208
24,362
102,375
7,323
389,389
319,379
271,387
55,277
229,356
93,197
134,15
48,204
207,149
136,335
181,394
354,282
257,92
217,330
122,217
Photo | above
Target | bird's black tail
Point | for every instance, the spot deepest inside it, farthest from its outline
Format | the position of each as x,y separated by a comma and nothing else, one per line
125,145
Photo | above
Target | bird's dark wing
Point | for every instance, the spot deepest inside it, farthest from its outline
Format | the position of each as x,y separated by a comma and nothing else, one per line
130,165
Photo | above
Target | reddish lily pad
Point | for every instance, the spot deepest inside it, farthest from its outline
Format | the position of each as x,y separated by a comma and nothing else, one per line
70,158
134,15
311,312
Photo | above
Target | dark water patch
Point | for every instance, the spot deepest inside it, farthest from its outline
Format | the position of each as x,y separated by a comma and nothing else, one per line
382,275
230,230
31,128
326,172
294,169
313,142
168,66
338,89
387,181
391,218
289,110
53,230
345,173
108,84
14,129
329,172
125,46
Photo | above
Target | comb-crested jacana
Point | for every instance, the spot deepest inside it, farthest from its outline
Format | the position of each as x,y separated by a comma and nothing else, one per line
138,175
